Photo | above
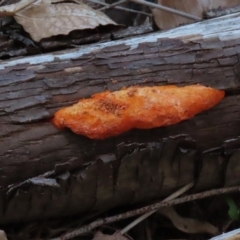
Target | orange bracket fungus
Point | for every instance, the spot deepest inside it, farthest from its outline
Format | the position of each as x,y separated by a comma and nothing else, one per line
109,114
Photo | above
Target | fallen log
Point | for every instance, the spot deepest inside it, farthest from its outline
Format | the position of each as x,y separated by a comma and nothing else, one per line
46,172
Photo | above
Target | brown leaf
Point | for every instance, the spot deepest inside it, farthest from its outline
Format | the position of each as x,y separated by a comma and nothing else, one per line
43,19
236,237
116,236
165,20
3,235
187,225
12,9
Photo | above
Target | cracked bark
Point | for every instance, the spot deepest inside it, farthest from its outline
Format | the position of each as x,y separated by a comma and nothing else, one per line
83,175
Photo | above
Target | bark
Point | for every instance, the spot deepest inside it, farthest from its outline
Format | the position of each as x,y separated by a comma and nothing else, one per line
45,172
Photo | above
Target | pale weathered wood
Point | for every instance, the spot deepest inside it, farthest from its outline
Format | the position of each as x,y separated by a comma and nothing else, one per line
33,88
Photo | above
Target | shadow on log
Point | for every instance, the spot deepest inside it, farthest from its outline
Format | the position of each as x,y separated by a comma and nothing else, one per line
45,172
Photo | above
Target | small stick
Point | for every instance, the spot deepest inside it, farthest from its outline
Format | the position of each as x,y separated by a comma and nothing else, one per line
120,8
112,5
88,228
167,9
146,215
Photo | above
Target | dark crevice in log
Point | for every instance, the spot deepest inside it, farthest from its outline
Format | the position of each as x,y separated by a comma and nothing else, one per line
131,174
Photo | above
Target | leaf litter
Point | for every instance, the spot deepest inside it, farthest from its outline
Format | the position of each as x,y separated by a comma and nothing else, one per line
46,18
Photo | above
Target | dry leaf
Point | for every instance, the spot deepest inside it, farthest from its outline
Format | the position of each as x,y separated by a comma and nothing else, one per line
12,9
3,235
43,19
116,236
165,20
236,237
187,225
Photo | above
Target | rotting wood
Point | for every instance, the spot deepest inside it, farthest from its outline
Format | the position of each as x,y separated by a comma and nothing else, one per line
33,88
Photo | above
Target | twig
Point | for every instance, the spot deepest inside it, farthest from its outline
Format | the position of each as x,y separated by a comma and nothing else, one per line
148,231
146,215
167,9
121,8
112,5
88,228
